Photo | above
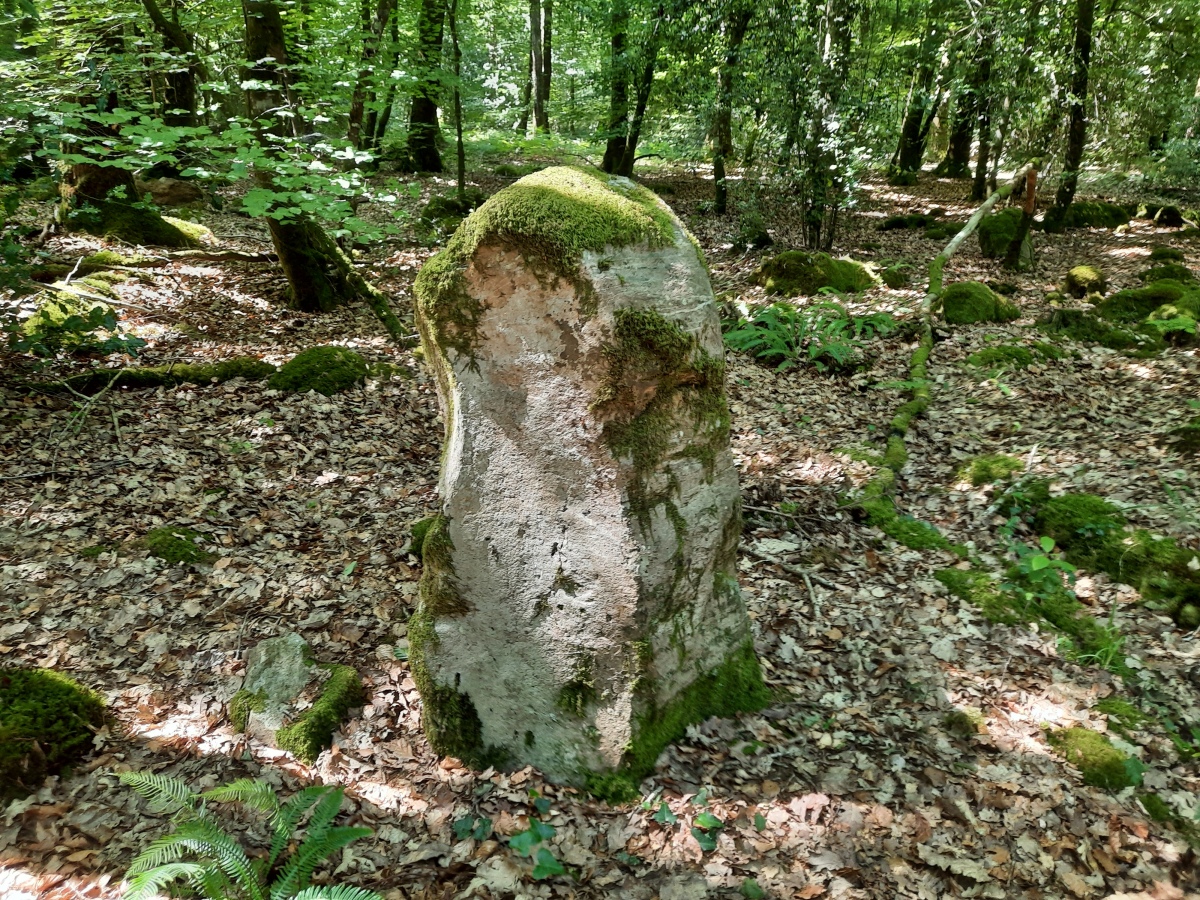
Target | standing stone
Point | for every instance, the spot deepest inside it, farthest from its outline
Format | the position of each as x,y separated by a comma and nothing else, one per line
579,605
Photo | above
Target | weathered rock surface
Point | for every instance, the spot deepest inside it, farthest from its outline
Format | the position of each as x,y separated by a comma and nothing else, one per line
171,191
291,701
579,604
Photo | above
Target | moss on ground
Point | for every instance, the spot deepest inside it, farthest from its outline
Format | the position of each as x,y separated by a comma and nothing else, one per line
133,223
313,730
551,218
176,545
1086,328
1081,281
1123,716
1168,272
1162,253
896,276
943,230
1094,214
980,589
969,302
47,722
989,468
1101,764
915,535
911,220
1005,356
795,272
326,370
157,376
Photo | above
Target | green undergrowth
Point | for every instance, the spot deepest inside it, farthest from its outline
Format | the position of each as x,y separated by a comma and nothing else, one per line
1160,811
47,723
796,272
177,546
912,533
313,730
1099,762
168,375
989,468
326,370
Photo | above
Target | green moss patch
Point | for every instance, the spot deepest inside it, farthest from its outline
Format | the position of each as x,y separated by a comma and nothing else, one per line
419,530
47,722
158,376
943,231
1101,764
980,589
969,302
896,276
313,730
1084,280
242,704
326,370
1162,253
1123,716
177,546
903,222
1168,272
906,530
1095,214
1005,356
795,272
989,468
997,231
1086,328
551,218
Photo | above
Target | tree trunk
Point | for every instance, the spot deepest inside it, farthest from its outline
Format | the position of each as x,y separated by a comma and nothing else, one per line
913,131
645,84
374,29
722,128
1019,254
180,100
957,162
378,119
423,130
1077,130
547,55
540,122
984,101
459,146
618,92
319,276
526,96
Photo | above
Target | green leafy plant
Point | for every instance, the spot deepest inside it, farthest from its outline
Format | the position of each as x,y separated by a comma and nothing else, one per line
823,334
215,866
531,842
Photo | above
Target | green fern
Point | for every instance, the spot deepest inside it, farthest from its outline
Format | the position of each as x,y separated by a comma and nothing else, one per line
212,863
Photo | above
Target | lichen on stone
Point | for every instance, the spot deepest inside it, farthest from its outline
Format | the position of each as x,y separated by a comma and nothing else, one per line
326,370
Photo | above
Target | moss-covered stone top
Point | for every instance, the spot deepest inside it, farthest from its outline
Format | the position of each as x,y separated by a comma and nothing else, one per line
326,370
967,302
551,218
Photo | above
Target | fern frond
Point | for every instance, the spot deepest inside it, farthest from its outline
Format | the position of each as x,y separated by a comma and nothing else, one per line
248,792
165,794
151,882
323,815
336,892
206,841
311,853
287,818
165,850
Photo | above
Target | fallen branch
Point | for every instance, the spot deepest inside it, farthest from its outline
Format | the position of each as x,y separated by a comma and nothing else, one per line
790,569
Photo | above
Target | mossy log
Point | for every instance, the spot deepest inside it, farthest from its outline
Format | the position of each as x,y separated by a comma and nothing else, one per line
158,376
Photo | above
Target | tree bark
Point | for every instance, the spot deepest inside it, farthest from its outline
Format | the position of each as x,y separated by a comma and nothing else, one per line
378,119
957,161
984,101
459,146
540,122
1077,130
180,101
618,92
547,55
423,128
374,28
722,129
1017,256
913,131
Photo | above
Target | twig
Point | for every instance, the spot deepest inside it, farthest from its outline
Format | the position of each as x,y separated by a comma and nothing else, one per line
776,512
791,570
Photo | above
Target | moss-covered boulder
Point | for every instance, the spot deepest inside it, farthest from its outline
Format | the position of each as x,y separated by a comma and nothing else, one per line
1164,215
896,276
578,605
1163,253
290,700
1135,304
326,370
969,302
795,272
1082,281
1095,214
943,231
997,231
1168,272
47,723
1004,356
1098,761
907,221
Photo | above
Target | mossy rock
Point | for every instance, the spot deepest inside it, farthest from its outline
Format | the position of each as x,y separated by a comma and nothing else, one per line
990,468
1082,326
896,276
904,222
943,230
47,723
796,272
898,178
420,529
1165,215
1135,304
1082,281
1163,253
1095,214
173,374
1101,764
326,370
1168,272
970,302
1075,519
1005,356
178,546
997,231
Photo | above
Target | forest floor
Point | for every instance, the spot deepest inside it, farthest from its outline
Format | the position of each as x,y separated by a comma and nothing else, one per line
856,782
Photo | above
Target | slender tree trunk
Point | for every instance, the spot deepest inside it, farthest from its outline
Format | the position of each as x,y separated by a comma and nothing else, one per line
460,147
722,128
618,91
823,156
374,28
547,55
1077,130
645,84
987,46
319,276
423,129
1018,255
540,122
913,131
378,119
957,162
526,96
181,82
